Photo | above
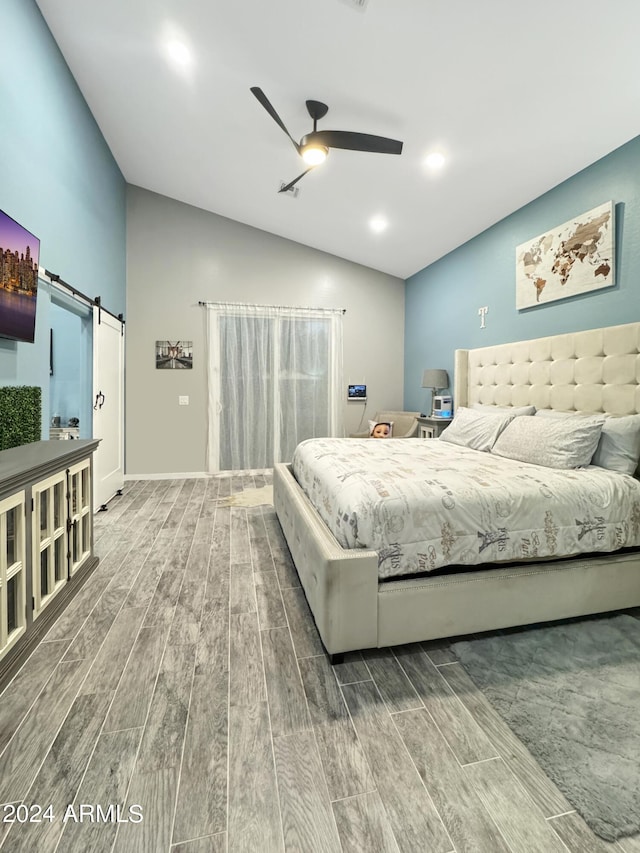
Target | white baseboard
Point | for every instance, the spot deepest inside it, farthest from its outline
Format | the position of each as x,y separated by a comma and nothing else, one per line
189,475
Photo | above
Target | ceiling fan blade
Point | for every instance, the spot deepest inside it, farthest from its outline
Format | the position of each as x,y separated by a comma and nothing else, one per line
354,141
295,181
266,103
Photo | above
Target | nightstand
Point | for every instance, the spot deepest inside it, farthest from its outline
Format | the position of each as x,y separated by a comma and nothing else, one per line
432,427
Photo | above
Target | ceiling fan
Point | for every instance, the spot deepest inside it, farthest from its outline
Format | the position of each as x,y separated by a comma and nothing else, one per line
314,146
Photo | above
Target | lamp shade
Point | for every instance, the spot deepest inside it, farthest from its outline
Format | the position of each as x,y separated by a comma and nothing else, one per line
434,378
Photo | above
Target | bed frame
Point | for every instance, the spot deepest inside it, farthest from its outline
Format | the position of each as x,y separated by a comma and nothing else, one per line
591,371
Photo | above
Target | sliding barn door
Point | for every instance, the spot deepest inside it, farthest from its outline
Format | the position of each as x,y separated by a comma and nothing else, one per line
108,407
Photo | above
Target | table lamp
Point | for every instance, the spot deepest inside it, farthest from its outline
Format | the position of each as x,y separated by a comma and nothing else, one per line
436,380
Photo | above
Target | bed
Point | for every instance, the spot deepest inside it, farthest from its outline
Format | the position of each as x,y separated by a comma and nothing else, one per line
595,371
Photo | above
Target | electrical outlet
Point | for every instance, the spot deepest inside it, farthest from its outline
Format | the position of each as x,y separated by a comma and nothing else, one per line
183,401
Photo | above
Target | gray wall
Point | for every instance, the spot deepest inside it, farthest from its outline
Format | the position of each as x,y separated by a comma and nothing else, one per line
178,255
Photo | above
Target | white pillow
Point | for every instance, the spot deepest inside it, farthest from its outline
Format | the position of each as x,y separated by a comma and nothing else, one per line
554,413
516,411
552,442
619,445
477,430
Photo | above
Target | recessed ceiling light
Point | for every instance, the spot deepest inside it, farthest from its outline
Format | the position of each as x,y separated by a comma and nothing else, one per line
378,224
435,160
178,53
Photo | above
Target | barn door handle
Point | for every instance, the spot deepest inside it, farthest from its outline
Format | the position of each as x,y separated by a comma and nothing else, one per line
99,401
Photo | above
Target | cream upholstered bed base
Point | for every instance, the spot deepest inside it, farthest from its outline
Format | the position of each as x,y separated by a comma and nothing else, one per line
596,371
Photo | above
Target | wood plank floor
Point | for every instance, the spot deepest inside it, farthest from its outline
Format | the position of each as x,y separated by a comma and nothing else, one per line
183,703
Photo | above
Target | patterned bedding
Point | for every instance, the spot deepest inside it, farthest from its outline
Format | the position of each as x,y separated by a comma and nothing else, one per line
424,504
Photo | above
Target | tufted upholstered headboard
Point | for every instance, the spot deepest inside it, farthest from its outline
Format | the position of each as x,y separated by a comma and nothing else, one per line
592,371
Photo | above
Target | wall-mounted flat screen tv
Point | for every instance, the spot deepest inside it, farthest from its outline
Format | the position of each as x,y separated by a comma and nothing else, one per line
19,258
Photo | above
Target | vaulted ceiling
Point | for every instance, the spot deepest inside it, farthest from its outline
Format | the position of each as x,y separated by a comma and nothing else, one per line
517,97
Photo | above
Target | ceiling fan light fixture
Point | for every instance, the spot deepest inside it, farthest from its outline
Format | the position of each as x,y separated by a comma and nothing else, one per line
313,155
314,147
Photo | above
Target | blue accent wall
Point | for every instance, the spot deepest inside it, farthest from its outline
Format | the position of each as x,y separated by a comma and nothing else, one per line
442,300
59,180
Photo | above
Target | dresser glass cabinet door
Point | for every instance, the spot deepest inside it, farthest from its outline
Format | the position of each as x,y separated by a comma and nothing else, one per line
49,539
79,514
12,571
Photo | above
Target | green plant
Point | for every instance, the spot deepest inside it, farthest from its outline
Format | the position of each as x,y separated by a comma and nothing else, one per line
20,415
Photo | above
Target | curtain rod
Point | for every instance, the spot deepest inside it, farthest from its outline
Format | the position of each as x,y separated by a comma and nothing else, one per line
285,307
97,302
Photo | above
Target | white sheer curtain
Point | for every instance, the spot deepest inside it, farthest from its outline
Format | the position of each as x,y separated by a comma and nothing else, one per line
275,379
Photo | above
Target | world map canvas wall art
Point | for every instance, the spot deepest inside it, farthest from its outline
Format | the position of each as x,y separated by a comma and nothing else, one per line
573,258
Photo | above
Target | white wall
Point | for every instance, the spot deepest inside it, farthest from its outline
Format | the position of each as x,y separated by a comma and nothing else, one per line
178,255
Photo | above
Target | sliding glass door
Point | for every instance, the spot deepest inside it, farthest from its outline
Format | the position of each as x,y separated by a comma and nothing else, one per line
274,379
246,424
304,381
